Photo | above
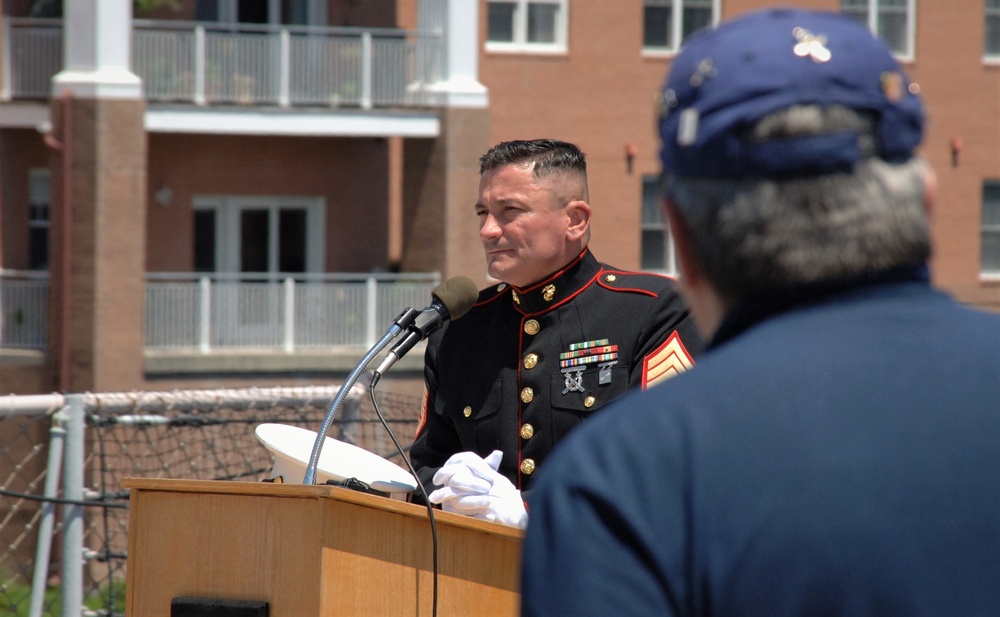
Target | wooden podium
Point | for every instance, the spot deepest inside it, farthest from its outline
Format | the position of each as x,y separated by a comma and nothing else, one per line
311,550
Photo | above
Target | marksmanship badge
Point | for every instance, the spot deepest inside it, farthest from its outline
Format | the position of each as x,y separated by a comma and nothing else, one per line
580,355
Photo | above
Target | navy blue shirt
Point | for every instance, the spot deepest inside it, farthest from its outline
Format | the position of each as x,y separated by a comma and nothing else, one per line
831,454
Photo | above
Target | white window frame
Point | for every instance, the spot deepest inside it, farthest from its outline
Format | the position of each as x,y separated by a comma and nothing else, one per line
873,9
677,26
227,238
994,13
991,230
520,42
662,225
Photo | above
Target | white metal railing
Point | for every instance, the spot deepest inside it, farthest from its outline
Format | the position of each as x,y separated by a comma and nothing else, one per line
211,312
213,63
24,305
287,312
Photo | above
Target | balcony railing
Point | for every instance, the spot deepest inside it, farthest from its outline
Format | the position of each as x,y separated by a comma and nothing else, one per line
206,313
276,311
24,305
209,63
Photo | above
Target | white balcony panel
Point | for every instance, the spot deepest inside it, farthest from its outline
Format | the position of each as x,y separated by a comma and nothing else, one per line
290,122
211,64
323,311
24,116
23,310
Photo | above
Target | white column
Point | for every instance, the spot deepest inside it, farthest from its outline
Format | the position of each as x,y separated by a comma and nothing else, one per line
97,42
459,86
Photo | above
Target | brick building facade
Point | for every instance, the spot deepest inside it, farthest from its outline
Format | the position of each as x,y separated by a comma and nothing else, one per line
394,185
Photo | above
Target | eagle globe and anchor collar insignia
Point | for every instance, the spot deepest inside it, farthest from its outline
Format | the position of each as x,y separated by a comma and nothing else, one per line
558,288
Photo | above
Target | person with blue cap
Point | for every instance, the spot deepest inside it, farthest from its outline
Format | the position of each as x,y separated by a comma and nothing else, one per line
835,450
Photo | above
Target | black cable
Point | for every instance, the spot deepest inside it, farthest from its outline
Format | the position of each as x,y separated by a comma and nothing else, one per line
107,553
69,502
420,487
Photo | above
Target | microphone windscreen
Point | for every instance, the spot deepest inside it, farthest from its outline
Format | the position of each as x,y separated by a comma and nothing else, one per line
458,294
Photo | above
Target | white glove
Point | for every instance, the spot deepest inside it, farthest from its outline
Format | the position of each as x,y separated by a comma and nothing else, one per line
471,485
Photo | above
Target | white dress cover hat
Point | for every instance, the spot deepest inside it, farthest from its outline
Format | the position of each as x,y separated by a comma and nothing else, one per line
292,446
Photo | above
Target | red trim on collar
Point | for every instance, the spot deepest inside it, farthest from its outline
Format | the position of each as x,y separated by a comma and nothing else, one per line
552,276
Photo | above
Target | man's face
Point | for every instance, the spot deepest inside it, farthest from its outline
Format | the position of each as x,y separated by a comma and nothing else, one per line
523,224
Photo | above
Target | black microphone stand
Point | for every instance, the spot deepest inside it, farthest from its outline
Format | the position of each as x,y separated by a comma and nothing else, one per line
404,321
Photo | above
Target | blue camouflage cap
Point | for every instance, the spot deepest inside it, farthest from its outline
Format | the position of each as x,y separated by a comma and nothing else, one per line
727,78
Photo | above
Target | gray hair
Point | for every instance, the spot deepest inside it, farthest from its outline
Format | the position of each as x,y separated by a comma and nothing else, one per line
753,236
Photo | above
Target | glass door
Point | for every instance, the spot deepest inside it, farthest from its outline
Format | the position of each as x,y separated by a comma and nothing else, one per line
263,240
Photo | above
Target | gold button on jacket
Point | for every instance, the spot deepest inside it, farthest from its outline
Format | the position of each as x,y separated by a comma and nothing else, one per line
528,466
503,361
527,395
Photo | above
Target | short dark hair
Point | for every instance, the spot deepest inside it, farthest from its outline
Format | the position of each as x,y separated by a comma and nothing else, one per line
548,155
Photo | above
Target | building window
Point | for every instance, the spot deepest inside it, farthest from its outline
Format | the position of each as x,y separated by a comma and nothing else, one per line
205,245
526,25
992,39
667,23
39,198
989,258
891,20
258,234
658,253
275,12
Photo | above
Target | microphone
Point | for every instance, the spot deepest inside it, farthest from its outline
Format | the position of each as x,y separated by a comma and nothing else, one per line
451,299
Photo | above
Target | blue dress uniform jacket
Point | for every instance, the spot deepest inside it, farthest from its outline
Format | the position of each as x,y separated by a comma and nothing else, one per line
525,366
831,455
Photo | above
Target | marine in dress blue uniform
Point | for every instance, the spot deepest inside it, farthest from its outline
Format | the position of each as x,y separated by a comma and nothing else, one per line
524,367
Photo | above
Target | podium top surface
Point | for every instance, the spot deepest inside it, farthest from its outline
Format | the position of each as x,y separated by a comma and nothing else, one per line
316,491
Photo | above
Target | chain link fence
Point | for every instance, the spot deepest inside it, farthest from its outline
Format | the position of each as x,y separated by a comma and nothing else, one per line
62,460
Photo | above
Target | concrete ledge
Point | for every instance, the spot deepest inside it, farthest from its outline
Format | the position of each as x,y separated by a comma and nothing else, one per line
302,122
334,360
29,357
